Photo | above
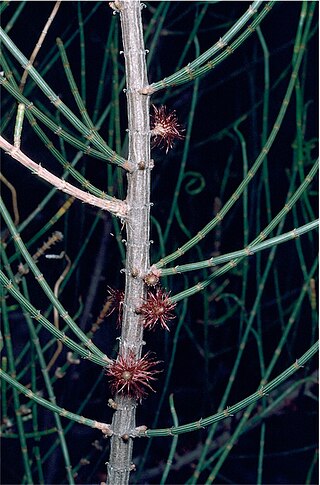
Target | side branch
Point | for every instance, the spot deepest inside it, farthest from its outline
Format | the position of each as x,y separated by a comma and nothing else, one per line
115,206
231,410
104,427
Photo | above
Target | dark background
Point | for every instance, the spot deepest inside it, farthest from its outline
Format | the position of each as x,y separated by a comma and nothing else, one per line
233,89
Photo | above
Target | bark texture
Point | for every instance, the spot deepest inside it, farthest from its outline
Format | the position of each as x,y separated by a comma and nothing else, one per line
137,230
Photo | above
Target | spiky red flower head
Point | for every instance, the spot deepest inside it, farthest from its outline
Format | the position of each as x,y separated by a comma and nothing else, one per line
157,309
131,377
165,128
115,298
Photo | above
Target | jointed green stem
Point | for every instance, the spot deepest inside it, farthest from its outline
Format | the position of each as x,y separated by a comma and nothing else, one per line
184,156
16,399
52,406
40,278
15,16
197,67
78,99
230,410
58,130
49,389
84,353
253,170
250,250
88,133
280,216
173,444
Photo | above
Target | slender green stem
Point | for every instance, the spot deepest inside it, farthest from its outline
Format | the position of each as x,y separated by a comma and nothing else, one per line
59,131
44,285
197,67
84,353
250,250
15,16
264,390
159,18
173,444
253,170
33,435
16,399
4,406
230,410
52,406
184,156
261,453
49,388
70,425
103,73
88,133
73,87
258,418
82,54
280,216
310,473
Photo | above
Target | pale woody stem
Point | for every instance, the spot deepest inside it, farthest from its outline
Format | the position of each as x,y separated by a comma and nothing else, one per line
137,228
115,206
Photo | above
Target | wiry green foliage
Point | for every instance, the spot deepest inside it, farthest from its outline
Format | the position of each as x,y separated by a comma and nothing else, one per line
233,186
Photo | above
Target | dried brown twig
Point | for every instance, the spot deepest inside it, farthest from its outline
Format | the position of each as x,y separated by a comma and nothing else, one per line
115,206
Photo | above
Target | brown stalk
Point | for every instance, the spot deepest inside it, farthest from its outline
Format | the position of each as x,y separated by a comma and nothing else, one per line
39,44
116,206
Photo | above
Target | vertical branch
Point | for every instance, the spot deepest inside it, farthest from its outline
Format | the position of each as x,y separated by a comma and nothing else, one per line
39,44
137,228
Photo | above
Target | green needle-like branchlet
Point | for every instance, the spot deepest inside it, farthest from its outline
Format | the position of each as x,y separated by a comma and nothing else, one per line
52,406
86,132
230,410
197,67
42,282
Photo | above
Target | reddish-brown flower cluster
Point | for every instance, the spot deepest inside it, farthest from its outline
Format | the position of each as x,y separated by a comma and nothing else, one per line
115,298
157,309
131,377
165,128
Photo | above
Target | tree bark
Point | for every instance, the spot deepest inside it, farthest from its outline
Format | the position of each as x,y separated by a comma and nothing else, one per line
137,230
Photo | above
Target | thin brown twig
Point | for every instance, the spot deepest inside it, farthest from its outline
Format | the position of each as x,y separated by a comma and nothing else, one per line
13,197
117,207
96,325
56,313
39,44
23,269
35,53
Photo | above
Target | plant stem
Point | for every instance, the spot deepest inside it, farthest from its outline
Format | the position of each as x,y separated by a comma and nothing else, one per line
137,229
